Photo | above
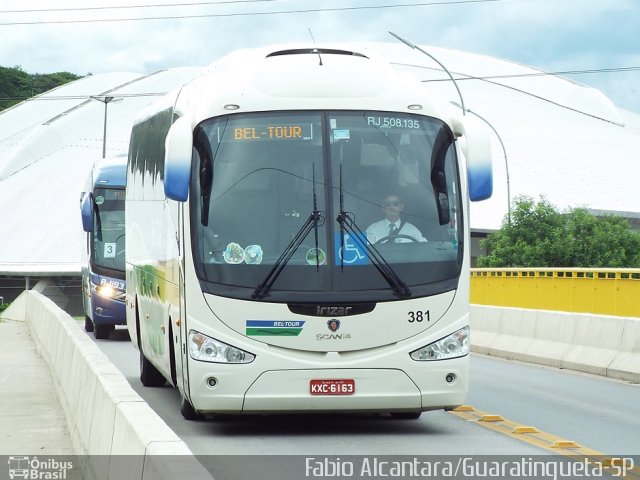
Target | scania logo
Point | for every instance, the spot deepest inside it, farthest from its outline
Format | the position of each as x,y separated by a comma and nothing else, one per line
333,336
333,324
333,310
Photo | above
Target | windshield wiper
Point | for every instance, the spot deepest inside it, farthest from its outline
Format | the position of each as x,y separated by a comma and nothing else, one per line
315,220
347,223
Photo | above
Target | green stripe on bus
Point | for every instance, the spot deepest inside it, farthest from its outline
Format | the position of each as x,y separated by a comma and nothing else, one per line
274,332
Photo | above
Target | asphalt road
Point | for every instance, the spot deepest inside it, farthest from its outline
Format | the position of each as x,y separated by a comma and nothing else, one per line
595,412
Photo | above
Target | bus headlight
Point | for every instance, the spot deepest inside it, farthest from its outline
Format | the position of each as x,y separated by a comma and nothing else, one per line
207,349
105,290
452,346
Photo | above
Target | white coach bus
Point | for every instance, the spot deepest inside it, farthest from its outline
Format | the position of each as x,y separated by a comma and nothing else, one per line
258,279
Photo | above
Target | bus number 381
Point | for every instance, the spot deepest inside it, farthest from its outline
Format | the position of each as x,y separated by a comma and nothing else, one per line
419,316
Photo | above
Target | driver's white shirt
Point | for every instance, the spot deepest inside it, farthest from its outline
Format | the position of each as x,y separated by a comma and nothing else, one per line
379,230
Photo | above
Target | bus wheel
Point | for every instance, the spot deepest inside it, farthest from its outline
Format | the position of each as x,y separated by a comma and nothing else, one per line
88,324
150,376
188,412
102,332
406,415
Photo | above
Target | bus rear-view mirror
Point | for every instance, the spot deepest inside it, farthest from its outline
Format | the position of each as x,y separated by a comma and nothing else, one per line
476,146
86,211
177,160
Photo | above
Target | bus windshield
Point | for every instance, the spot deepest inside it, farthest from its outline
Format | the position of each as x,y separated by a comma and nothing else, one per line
108,229
257,178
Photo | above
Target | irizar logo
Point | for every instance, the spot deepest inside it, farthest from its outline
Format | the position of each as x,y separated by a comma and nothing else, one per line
330,311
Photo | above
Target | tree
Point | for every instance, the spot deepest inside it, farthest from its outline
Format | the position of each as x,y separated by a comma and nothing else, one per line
17,85
541,236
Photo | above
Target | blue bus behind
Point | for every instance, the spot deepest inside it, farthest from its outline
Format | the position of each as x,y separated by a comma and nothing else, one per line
103,278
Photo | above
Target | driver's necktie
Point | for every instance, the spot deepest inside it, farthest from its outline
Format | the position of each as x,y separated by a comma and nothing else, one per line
393,230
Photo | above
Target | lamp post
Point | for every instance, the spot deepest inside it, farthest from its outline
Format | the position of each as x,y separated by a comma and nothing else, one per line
106,100
416,47
504,152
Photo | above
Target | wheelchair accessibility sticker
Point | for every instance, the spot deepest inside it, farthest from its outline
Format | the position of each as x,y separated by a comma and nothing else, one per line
352,251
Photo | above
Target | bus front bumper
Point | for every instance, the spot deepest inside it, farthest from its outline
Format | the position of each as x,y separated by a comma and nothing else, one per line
108,311
424,386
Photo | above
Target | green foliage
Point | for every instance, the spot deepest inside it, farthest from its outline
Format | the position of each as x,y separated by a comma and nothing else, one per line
17,85
541,236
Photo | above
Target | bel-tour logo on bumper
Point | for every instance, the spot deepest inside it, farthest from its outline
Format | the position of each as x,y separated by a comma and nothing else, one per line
274,328
291,328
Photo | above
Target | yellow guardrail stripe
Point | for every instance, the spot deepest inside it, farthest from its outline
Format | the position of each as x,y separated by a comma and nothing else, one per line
605,291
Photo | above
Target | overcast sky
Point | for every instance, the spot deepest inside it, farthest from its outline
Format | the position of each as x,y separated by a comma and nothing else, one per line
554,35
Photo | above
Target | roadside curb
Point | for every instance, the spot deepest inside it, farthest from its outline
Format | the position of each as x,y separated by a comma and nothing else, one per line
597,344
105,416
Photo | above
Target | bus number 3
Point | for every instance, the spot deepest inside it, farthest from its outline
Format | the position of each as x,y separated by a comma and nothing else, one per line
419,316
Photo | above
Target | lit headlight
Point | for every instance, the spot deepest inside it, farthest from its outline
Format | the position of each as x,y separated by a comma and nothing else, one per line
105,290
207,349
452,346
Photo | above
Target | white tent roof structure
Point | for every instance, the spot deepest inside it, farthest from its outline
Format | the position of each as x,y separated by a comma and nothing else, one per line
47,148
562,140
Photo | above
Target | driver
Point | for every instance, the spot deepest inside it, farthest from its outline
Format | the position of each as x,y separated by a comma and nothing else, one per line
392,227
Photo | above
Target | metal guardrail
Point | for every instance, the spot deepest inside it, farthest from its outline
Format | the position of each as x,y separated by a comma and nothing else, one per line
614,291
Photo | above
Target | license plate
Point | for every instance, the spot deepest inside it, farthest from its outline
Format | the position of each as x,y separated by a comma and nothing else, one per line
332,387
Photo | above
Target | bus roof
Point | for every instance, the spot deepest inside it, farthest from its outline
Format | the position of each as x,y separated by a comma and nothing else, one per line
111,172
303,76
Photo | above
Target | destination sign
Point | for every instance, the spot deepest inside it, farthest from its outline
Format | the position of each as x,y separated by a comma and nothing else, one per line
274,132
103,194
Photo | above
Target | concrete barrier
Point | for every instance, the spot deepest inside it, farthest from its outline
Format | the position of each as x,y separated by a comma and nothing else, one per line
108,421
597,344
